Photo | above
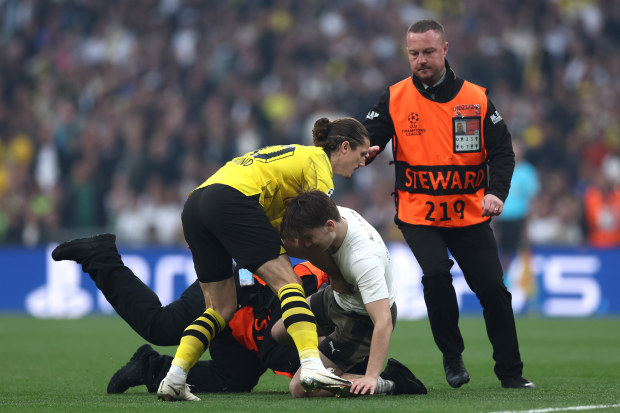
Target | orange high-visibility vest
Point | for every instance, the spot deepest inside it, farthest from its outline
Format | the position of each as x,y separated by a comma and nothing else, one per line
594,204
249,331
439,155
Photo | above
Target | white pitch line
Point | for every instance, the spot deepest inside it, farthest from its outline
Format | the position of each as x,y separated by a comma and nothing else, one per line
561,409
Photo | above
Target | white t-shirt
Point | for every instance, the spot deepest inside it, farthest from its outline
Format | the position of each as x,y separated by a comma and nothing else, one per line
364,261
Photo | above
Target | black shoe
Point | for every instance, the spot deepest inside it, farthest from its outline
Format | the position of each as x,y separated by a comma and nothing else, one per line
517,383
406,382
81,249
456,373
131,374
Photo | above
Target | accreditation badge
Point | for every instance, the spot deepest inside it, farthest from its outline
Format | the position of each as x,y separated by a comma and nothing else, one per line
466,134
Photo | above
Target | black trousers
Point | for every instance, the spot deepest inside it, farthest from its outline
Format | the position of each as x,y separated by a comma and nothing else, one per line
232,367
475,250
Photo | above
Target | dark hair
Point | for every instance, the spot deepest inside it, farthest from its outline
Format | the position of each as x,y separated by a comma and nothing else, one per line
422,26
330,135
307,210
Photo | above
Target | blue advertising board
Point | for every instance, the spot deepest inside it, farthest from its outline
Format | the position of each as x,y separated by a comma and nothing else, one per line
554,282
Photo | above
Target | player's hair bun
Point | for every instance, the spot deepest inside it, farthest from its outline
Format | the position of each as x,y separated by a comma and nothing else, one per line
321,131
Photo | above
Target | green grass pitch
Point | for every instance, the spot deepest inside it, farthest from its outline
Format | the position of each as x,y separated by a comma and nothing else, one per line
65,365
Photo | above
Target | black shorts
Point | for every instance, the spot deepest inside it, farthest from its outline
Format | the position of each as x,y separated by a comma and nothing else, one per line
510,235
221,224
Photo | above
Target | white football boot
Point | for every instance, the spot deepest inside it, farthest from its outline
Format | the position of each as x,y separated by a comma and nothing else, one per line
315,376
174,387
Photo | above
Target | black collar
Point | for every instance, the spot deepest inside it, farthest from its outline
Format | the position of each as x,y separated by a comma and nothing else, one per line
443,92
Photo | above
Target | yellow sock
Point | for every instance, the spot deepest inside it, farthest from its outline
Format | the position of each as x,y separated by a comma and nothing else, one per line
299,320
197,338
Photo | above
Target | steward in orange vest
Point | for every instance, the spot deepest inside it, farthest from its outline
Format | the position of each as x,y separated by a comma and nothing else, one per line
443,141
453,163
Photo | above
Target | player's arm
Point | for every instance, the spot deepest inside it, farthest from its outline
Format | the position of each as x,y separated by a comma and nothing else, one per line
380,127
381,316
500,155
312,277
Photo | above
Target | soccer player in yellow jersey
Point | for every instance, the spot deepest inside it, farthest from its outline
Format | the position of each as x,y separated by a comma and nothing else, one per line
235,214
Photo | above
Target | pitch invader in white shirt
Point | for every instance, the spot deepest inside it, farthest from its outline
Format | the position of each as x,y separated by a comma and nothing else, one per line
357,312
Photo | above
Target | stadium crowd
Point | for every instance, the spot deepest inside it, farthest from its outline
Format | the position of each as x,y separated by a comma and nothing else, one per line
112,112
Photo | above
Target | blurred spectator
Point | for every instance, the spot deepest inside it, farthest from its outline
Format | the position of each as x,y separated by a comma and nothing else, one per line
99,99
602,205
556,214
82,203
511,224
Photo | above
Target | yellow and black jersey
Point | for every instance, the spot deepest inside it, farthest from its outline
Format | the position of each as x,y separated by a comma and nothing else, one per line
277,173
